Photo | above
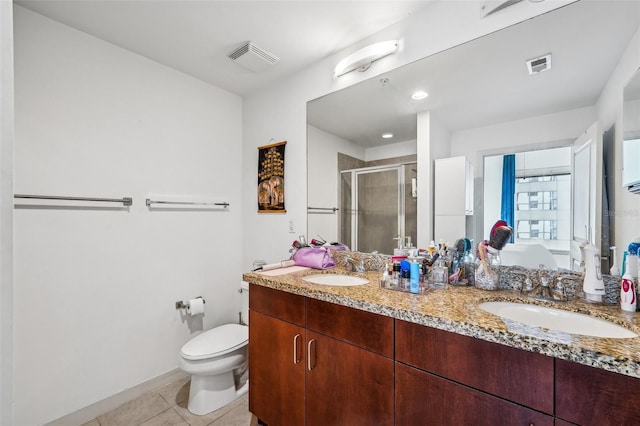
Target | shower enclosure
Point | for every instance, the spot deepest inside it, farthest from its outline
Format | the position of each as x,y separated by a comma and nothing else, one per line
377,205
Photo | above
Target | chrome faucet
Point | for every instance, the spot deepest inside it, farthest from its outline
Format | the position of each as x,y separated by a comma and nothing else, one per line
350,262
546,288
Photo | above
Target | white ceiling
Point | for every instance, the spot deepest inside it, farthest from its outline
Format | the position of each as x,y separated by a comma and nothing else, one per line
486,81
195,37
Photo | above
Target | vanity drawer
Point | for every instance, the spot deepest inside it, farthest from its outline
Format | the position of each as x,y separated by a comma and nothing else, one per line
591,396
513,374
367,330
280,304
426,399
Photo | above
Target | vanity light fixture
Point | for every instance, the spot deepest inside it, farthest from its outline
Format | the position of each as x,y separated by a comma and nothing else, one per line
387,135
418,95
361,59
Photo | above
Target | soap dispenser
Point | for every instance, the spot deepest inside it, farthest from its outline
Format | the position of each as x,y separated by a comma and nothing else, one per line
593,285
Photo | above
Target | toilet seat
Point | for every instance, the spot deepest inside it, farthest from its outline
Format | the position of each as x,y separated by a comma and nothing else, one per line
215,342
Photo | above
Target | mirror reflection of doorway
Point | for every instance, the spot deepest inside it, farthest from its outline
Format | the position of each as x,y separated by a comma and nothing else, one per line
376,206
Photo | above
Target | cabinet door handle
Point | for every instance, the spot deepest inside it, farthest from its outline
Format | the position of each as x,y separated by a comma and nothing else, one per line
295,349
309,366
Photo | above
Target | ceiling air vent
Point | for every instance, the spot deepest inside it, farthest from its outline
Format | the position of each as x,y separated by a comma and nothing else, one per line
539,64
253,58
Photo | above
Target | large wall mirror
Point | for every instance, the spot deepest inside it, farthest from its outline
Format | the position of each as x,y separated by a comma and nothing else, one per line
484,103
631,133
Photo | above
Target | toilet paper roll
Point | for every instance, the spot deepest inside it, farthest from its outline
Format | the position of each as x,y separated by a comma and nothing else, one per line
195,306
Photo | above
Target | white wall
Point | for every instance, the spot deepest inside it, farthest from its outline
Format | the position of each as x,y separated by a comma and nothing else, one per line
6,212
95,288
398,149
322,173
278,112
610,113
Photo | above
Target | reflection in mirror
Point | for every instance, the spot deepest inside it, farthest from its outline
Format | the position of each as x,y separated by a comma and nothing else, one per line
482,102
631,135
377,206
541,204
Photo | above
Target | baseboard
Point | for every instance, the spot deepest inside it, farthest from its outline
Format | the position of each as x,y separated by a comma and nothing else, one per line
101,407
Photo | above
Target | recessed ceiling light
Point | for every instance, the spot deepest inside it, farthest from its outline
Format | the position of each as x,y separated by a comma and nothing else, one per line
420,94
387,135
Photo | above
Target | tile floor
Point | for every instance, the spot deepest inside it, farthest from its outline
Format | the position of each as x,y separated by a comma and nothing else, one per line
167,406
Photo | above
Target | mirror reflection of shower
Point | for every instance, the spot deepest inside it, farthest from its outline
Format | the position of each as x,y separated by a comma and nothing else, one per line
378,205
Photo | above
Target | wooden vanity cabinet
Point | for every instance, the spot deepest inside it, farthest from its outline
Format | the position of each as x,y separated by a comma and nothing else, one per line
339,371
591,396
350,381
276,356
423,398
464,377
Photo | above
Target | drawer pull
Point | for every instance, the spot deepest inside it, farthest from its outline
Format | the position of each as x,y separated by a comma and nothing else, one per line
309,365
295,349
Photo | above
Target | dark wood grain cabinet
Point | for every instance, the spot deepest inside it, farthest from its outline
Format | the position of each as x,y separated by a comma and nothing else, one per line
591,396
276,356
466,380
427,399
332,371
313,362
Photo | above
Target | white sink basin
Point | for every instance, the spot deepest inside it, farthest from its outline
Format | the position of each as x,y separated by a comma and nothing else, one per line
557,319
335,279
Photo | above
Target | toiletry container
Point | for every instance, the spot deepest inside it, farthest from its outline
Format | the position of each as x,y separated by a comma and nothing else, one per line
487,273
216,359
439,275
593,286
614,270
628,299
414,273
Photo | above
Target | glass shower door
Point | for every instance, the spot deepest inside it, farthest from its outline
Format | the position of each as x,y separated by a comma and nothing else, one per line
376,206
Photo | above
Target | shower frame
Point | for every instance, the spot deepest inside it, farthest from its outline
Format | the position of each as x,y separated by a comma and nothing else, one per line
352,209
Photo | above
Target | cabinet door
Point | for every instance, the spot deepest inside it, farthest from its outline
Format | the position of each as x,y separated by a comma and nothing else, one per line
347,385
520,376
469,187
591,396
425,399
450,191
276,370
280,304
366,330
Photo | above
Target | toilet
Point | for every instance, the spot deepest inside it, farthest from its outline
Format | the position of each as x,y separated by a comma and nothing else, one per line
217,362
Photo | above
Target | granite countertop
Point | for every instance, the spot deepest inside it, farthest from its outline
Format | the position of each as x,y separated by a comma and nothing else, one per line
456,310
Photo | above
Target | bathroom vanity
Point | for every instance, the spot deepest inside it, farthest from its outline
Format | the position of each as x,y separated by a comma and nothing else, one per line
361,355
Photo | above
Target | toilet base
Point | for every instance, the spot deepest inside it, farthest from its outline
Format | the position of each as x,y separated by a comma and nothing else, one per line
209,393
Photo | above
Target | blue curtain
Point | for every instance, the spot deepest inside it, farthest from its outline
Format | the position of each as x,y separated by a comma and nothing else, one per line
508,190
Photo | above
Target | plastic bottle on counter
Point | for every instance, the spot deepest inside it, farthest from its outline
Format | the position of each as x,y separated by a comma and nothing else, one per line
414,273
628,299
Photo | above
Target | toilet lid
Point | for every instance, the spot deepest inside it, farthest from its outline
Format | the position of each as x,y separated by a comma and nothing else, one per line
217,341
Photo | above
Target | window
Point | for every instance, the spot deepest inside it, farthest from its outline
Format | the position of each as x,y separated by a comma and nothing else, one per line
539,206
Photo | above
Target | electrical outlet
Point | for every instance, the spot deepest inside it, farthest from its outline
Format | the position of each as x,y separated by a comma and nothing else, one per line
291,227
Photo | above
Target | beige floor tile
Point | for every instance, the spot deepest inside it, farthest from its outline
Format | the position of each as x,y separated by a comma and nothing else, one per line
195,420
136,411
167,418
93,422
176,392
238,416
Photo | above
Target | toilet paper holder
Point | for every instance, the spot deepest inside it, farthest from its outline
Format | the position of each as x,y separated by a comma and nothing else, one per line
181,305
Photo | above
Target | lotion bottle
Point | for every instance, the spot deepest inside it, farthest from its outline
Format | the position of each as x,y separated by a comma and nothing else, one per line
628,300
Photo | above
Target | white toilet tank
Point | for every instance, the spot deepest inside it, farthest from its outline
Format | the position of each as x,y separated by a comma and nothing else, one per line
244,294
